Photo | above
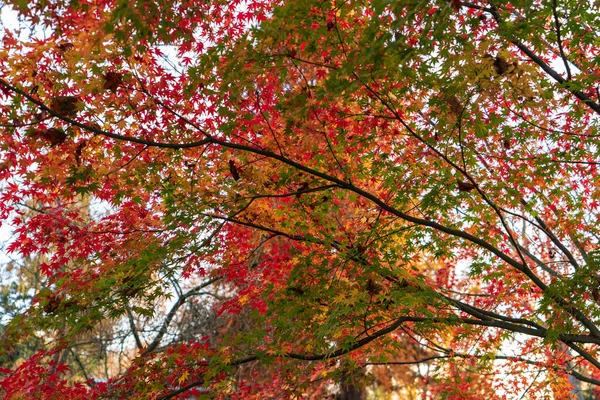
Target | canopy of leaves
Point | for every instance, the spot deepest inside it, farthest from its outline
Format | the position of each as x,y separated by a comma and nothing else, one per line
293,199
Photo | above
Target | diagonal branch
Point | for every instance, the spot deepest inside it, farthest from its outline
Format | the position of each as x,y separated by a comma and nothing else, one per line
134,330
537,60
559,40
171,314
99,131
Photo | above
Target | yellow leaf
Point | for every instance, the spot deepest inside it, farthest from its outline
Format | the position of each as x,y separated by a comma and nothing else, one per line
184,376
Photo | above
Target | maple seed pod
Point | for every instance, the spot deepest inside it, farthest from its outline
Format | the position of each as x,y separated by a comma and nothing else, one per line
65,105
465,186
234,171
500,65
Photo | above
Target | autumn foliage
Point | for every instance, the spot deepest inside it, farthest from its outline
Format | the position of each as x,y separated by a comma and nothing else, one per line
299,199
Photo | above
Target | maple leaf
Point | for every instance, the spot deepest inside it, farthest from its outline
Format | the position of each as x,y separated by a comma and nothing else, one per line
183,377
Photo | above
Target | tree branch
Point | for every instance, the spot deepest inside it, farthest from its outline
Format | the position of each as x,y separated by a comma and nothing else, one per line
98,130
537,60
171,314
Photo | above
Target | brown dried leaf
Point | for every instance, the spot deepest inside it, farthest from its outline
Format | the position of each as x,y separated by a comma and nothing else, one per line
455,105
456,4
500,65
54,136
65,46
53,302
596,295
372,287
112,80
78,151
465,186
234,171
65,105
